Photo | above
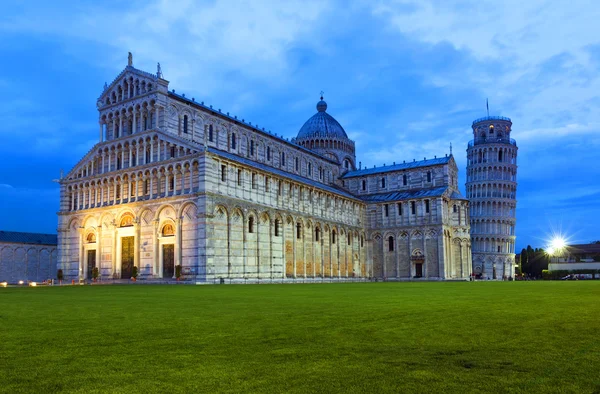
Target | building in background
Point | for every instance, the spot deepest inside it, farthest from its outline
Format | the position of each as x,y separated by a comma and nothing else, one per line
174,182
27,257
491,188
576,258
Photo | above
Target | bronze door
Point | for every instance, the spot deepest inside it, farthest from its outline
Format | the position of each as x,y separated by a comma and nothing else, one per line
91,262
168,261
126,257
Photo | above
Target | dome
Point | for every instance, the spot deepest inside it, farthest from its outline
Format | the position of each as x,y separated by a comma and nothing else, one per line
321,124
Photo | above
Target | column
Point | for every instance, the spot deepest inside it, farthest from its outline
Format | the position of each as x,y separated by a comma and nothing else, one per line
80,265
101,139
134,125
156,113
178,243
99,250
136,244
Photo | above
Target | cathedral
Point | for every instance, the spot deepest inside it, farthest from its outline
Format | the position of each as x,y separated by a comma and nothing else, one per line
176,188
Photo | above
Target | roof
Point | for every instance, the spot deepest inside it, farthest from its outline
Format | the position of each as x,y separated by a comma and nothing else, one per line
398,167
405,195
250,126
281,173
28,238
457,196
321,124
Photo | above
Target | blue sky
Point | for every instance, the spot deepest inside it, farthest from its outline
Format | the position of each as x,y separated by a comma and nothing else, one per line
404,78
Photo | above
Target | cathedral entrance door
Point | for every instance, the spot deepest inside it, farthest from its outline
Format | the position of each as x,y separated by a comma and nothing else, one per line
126,257
419,270
91,262
168,261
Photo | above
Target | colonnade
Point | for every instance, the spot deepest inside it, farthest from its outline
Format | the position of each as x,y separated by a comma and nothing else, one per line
161,181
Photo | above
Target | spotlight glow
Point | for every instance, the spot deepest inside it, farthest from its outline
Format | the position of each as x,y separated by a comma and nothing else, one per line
20,282
3,284
558,243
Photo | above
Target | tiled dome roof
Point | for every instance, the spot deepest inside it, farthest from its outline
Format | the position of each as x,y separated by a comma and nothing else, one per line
321,124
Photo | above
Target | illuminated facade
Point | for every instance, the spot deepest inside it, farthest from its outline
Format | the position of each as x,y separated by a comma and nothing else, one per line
491,188
175,182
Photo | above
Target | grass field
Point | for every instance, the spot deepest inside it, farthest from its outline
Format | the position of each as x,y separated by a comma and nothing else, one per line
365,337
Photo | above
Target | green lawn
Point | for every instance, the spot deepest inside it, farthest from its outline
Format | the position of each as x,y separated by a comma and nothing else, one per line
364,337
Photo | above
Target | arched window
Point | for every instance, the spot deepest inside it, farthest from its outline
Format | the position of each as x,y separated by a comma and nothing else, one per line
251,224
147,156
185,124
383,183
251,147
391,244
500,155
268,153
333,237
233,142
309,169
428,176
297,164
404,180
91,238
168,230
298,230
277,227
317,234
454,208
210,133
283,158
364,184
349,239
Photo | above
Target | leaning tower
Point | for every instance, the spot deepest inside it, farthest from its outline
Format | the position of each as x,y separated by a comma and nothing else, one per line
491,190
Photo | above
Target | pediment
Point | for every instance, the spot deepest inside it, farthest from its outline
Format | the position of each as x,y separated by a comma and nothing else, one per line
129,84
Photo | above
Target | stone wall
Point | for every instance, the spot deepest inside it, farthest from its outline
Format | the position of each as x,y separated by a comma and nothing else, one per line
27,262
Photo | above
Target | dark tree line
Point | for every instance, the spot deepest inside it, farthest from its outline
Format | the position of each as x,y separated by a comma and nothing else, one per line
534,261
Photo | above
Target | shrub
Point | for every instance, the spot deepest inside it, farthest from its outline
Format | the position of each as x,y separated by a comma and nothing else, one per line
95,273
134,272
178,271
59,274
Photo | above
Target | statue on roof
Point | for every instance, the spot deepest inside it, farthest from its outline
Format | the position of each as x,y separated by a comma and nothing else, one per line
158,71
130,59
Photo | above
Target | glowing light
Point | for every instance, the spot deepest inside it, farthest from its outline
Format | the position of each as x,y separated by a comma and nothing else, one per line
20,282
3,284
33,284
558,244
550,250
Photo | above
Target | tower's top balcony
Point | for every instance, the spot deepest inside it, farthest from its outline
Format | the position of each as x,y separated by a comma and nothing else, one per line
488,118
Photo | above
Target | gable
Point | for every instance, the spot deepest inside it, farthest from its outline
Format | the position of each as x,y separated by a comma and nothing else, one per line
129,84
